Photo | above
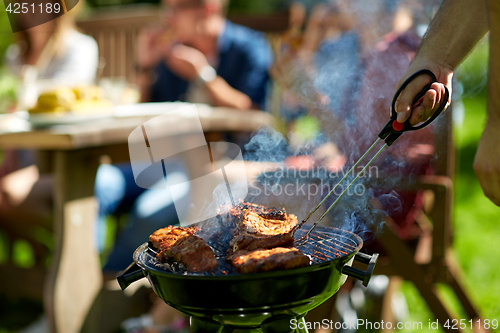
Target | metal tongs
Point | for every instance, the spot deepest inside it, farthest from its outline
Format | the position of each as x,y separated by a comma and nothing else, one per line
391,131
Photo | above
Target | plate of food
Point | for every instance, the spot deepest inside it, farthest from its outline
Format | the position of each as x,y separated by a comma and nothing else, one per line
65,105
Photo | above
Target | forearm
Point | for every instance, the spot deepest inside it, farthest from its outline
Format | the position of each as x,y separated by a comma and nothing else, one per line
494,64
453,33
222,94
487,159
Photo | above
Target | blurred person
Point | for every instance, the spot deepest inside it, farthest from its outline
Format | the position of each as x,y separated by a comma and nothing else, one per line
413,153
455,30
53,51
359,78
57,53
316,71
383,64
199,56
365,112
338,62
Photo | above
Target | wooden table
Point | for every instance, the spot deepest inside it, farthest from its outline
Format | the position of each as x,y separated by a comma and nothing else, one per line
75,275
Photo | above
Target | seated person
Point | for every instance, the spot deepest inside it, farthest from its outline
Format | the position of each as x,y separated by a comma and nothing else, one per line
204,59
198,56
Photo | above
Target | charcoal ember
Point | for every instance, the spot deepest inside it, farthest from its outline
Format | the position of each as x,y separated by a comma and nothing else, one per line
192,252
264,260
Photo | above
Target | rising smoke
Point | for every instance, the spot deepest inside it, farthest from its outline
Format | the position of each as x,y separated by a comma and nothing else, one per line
349,89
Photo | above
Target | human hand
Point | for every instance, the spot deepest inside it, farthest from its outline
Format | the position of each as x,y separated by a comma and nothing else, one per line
186,62
151,47
432,99
487,161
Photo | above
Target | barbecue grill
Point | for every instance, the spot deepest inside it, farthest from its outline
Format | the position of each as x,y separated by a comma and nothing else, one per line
258,302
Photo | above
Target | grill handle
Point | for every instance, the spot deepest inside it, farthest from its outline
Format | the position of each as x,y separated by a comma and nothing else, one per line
364,276
131,274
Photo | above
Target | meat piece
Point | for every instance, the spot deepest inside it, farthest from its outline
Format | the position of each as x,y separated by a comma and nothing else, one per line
231,215
256,224
267,260
163,238
256,232
272,213
193,252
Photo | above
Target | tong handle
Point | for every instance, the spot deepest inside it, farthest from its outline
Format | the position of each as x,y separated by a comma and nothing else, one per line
393,129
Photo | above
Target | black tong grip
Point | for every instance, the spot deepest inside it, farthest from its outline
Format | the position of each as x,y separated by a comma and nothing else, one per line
393,130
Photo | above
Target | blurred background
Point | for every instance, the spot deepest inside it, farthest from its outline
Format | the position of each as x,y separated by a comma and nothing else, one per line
475,218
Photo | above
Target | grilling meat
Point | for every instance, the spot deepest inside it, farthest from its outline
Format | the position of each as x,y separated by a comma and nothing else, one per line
266,260
252,227
164,238
181,245
230,215
272,213
254,231
193,252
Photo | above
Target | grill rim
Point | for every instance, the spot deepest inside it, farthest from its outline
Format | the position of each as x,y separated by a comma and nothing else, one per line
235,299
339,262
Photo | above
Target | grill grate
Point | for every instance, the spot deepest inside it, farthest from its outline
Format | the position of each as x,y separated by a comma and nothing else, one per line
325,244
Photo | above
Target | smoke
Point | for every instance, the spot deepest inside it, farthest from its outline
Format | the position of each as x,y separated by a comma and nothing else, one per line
266,145
300,187
349,89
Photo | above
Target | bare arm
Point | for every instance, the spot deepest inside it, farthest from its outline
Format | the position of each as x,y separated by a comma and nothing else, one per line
187,63
494,71
487,160
452,34
222,94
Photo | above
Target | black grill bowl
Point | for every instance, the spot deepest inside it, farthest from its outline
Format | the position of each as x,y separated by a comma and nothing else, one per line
248,300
